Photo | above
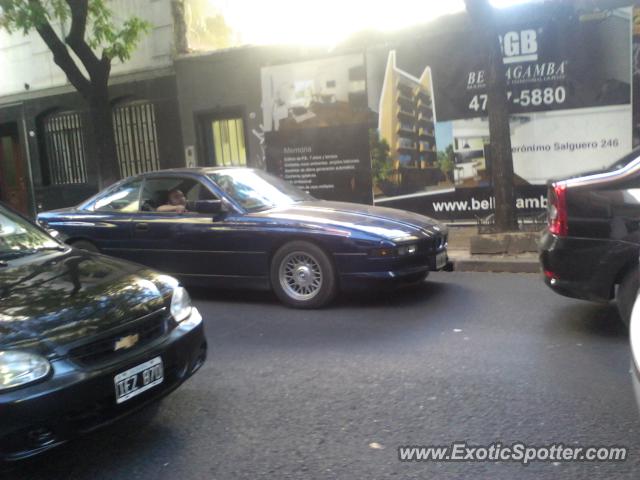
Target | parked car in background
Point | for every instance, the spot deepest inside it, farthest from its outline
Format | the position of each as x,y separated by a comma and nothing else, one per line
240,227
591,245
85,339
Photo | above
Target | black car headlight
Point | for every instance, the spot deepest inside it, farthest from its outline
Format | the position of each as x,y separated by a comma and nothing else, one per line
18,369
180,304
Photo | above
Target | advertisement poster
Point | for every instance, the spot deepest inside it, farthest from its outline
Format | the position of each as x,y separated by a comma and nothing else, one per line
417,112
315,119
569,89
330,163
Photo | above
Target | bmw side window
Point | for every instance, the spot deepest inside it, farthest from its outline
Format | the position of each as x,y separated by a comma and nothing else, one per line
126,198
158,191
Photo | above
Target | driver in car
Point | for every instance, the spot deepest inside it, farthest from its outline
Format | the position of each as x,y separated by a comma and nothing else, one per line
177,202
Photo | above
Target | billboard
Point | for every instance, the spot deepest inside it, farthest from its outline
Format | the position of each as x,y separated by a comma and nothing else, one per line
412,117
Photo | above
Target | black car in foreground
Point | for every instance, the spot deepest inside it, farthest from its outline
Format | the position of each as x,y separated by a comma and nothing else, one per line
85,339
590,247
243,228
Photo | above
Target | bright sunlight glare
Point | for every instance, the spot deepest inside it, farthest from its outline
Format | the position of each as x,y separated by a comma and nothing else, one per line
327,22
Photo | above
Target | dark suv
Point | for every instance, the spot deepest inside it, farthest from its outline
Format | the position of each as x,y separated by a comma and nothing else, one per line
85,339
591,245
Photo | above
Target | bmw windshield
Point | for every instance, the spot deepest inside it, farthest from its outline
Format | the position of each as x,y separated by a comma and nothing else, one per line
18,237
256,190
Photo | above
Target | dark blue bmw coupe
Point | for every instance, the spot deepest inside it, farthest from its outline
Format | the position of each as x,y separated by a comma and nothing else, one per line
240,227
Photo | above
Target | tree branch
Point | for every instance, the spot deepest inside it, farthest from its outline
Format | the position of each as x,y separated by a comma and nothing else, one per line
62,57
75,39
79,11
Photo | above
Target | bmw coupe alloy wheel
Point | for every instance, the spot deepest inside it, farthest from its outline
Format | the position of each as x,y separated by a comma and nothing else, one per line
300,275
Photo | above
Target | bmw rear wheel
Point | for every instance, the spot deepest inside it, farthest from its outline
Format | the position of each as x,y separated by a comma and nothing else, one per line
302,275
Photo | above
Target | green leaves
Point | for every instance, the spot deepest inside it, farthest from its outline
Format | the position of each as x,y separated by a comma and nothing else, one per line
115,39
446,161
381,164
24,15
21,15
121,42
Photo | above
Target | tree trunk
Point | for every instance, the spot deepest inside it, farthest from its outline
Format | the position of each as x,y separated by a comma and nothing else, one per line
502,177
101,136
500,139
95,88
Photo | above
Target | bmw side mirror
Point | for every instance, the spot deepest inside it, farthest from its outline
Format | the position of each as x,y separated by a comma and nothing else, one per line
212,207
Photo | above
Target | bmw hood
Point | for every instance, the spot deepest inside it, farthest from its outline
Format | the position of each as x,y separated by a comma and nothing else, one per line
59,298
386,223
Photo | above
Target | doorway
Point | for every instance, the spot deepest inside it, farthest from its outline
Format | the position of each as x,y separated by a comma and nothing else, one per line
13,183
223,140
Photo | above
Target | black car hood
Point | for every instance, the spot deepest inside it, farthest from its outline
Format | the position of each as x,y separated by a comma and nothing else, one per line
388,223
49,300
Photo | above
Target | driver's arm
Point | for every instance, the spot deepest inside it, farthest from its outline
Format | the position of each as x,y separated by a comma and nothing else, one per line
171,208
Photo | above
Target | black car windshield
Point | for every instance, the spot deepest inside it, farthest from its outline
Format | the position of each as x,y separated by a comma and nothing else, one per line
256,190
18,237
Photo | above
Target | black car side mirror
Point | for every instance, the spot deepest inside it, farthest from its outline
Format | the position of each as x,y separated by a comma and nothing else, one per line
213,207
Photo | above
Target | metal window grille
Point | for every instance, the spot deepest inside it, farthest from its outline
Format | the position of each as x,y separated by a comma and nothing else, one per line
134,125
64,147
228,140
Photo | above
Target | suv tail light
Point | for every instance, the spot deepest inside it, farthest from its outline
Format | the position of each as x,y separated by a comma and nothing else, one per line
557,210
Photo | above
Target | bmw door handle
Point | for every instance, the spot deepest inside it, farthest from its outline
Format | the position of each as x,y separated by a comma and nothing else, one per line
142,227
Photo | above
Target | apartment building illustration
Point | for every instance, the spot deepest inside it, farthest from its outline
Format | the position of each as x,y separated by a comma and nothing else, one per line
406,122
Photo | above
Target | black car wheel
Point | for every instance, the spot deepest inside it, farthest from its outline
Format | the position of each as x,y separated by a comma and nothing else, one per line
302,275
84,245
626,296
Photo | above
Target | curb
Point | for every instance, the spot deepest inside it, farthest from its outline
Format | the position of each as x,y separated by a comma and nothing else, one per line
463,262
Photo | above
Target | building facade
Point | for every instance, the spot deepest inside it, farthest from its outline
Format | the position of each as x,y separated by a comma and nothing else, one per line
45,159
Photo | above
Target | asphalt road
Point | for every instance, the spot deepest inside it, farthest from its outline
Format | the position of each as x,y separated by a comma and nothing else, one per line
295,394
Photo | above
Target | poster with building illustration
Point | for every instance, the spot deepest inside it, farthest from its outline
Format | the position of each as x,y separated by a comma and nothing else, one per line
569,89
405,125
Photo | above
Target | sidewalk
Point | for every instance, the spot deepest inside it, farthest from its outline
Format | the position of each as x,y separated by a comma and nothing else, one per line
463,261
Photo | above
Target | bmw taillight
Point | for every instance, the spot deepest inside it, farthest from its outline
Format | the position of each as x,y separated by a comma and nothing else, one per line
557,210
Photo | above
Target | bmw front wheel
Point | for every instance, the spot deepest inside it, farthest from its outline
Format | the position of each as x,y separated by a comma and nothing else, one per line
302,275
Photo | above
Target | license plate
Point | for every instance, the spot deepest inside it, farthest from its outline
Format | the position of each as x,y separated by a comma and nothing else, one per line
441,259
137,380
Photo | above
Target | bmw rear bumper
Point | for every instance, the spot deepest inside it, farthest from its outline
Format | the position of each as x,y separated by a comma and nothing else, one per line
74,400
